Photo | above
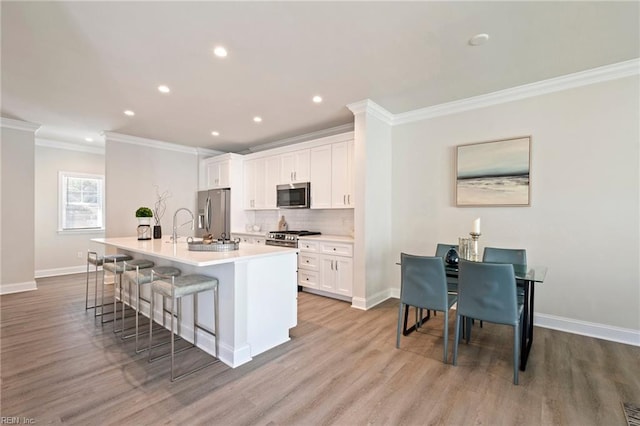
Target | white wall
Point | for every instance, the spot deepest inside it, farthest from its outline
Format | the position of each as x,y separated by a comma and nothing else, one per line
17,144
57,253
133,167
372,212
584,213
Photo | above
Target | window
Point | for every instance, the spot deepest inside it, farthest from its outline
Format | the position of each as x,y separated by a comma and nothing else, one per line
81,200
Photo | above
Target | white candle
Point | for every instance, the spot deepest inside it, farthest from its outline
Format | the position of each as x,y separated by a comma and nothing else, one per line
476,226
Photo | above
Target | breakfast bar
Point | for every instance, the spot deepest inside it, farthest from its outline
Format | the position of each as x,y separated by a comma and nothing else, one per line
257,293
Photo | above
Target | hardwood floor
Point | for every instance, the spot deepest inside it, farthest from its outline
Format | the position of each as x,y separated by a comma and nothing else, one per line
341,367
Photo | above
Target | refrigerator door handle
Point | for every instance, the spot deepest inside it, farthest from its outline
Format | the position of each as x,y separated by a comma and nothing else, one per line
207,214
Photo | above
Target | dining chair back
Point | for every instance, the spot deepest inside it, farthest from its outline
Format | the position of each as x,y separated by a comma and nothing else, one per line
442,249
424,286
505,255
487,292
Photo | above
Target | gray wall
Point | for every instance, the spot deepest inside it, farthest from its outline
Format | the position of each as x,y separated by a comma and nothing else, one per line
132,170
584,213
57,253
17,216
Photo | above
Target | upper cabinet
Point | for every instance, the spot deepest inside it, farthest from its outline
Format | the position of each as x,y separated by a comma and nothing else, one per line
332,176
326,163
261,175
342,176
219,172
294,166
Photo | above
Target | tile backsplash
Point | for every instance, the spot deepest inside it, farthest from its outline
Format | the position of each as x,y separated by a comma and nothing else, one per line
331,222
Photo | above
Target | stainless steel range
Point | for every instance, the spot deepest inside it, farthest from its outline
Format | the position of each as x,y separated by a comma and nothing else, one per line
286,238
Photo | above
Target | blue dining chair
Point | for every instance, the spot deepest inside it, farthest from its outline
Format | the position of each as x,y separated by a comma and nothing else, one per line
441,251
487,292
424,286
506,255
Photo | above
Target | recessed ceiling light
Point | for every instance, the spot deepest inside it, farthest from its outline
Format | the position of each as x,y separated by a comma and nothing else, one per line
220,52
478,39
317,99
88,139
257,119
214,133
164,89
129,113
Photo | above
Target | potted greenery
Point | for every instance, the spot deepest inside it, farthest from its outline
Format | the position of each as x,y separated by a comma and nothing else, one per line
144,215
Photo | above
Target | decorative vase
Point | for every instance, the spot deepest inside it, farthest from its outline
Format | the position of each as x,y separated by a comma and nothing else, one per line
452,257
144,228
144,232
157,232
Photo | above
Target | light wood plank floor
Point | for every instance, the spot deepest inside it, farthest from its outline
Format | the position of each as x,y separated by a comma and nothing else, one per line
341,367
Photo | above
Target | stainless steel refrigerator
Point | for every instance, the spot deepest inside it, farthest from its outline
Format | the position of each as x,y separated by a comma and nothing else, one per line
214,213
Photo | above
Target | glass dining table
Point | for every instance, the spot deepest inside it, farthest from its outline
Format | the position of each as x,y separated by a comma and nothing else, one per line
529,276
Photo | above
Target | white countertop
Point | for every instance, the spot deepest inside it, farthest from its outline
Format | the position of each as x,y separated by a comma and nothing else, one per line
179,252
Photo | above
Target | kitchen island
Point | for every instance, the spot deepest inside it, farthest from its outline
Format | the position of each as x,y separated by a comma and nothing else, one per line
257,294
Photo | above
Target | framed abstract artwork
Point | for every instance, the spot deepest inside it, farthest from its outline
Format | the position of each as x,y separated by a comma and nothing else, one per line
495,173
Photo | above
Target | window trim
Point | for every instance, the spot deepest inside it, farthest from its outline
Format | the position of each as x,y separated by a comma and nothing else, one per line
62,197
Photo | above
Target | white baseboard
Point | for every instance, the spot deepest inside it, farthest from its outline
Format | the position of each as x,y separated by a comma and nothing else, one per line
42,273
376,299
600,331
17,287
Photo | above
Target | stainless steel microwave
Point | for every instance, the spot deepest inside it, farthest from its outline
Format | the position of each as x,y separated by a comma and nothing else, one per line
294,196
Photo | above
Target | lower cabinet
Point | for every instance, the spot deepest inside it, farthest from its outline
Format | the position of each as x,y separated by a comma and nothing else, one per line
326,266
248,239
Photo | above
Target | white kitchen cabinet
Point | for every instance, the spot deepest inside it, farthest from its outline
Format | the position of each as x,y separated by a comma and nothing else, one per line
326,266
332,176
342,179
260,177
320,177
215,172
294,166
336,275
248,238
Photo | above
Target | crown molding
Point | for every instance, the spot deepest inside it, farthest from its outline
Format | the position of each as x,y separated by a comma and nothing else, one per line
206,152
332,131
11,123
50,143
372,109
149,143
557,84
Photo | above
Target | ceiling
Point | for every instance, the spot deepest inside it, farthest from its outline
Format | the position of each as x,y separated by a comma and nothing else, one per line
74,67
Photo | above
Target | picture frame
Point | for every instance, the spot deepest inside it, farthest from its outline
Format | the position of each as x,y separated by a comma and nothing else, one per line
494,173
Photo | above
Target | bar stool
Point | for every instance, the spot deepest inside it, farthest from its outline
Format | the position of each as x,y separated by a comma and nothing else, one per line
176,288
117,269
139,277
93,258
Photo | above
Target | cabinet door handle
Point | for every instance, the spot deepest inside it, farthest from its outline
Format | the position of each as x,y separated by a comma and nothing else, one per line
349,198
344,199
336,265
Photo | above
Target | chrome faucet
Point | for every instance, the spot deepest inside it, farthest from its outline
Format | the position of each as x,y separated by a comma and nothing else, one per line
174,236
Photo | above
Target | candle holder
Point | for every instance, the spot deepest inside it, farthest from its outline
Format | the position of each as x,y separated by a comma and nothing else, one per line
475,251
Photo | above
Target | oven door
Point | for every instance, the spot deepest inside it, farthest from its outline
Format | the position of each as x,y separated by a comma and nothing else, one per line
293,196
281,243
